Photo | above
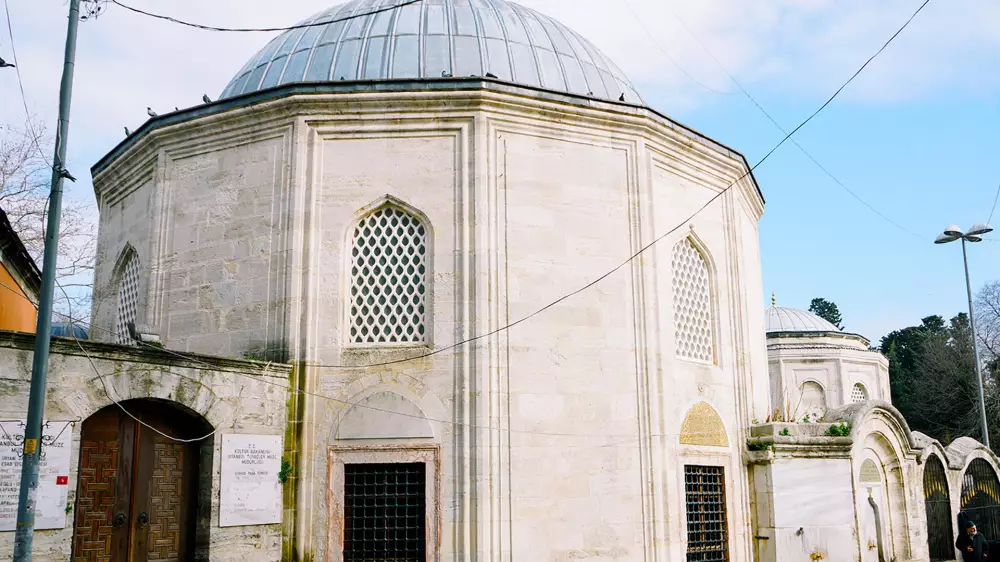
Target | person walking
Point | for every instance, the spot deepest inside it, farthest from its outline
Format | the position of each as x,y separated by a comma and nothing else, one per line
972,545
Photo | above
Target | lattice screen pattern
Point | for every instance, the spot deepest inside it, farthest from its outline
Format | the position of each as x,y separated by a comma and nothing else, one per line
388,279
128,298
692,303
858,393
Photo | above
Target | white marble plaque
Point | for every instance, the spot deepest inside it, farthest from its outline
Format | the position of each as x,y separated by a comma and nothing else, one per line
53,473
250,489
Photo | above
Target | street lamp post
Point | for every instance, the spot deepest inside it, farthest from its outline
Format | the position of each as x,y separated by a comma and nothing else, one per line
975,234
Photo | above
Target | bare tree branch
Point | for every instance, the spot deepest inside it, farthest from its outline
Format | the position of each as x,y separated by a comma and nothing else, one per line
24,186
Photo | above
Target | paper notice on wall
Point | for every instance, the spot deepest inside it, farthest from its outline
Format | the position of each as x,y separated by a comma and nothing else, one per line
250,486
53,473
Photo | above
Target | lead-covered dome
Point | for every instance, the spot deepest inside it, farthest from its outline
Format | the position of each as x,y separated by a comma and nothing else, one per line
398,39
781,319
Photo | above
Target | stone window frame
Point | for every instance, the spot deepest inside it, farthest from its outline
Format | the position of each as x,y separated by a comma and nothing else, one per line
338,456
713,296
691,455
348,263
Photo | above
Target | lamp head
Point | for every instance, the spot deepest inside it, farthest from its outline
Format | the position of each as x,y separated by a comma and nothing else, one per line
954,231
945,238
971,238
979,229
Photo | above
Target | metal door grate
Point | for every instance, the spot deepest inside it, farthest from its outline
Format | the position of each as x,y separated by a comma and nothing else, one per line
937,504
708,536
981,498
384,512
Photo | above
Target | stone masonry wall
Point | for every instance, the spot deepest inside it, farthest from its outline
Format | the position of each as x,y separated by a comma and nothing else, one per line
233,396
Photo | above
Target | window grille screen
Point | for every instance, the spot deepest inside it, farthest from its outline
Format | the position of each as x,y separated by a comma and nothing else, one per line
128,296
705,491
858,394
384,512
692,303
388,278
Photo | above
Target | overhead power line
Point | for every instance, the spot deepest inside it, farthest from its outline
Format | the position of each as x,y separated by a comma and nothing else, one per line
20,86
667,54
653,242
260,29
754,101
995,199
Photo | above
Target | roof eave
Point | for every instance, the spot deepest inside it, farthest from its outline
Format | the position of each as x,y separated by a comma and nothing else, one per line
393,85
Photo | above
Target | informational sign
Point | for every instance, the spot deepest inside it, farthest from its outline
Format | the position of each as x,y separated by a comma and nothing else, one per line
53,473
250,486
870,473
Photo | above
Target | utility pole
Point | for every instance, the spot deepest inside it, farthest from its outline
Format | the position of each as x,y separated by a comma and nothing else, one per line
28,494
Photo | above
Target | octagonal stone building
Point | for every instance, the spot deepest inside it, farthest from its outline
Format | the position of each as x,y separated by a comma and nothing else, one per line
377,195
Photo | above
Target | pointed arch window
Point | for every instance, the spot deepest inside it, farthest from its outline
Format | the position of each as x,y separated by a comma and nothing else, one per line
388,279
693,318
127,298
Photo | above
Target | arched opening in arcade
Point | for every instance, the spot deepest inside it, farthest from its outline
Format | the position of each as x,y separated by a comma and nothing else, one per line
937,504
139,491
981,498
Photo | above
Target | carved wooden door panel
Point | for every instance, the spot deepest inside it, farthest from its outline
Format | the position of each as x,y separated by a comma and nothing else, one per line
136,495
164,504
106,448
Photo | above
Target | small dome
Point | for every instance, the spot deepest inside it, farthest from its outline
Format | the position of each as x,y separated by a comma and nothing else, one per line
434,39
781,319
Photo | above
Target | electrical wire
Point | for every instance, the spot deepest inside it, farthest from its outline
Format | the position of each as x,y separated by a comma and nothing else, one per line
581,289
753,100
20,85
261,29
648,245
668,55
342,402
995,199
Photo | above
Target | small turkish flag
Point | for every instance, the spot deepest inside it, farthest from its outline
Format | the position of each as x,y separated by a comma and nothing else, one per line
62,480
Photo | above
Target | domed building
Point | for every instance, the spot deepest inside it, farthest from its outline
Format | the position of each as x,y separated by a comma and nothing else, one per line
430,281
815,366
375,196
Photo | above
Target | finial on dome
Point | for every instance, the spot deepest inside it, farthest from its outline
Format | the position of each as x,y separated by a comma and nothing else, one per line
774,299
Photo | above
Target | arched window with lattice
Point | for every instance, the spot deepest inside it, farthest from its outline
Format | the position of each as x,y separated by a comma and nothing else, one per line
693,318
388,279
126,297
859,393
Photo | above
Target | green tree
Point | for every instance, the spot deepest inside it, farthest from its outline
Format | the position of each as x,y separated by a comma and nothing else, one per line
826,310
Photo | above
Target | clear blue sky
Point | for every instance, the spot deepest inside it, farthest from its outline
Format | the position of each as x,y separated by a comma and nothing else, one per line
916,135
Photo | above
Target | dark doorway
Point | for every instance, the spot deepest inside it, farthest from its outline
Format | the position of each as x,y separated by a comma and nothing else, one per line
137,494
937,504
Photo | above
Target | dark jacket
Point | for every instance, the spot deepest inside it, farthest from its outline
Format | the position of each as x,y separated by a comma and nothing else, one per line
980,548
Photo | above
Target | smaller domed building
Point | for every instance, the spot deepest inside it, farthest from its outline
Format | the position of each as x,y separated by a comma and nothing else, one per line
815,366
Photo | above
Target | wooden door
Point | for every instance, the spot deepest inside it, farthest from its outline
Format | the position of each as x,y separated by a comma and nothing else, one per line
136,497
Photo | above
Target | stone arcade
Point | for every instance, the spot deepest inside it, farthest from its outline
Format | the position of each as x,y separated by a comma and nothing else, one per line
365,208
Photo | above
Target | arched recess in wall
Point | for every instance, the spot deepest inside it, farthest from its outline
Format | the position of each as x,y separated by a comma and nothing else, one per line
694,294
981,497
812,399
125,281
877,449
937,506
704,427
389,269
384,415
